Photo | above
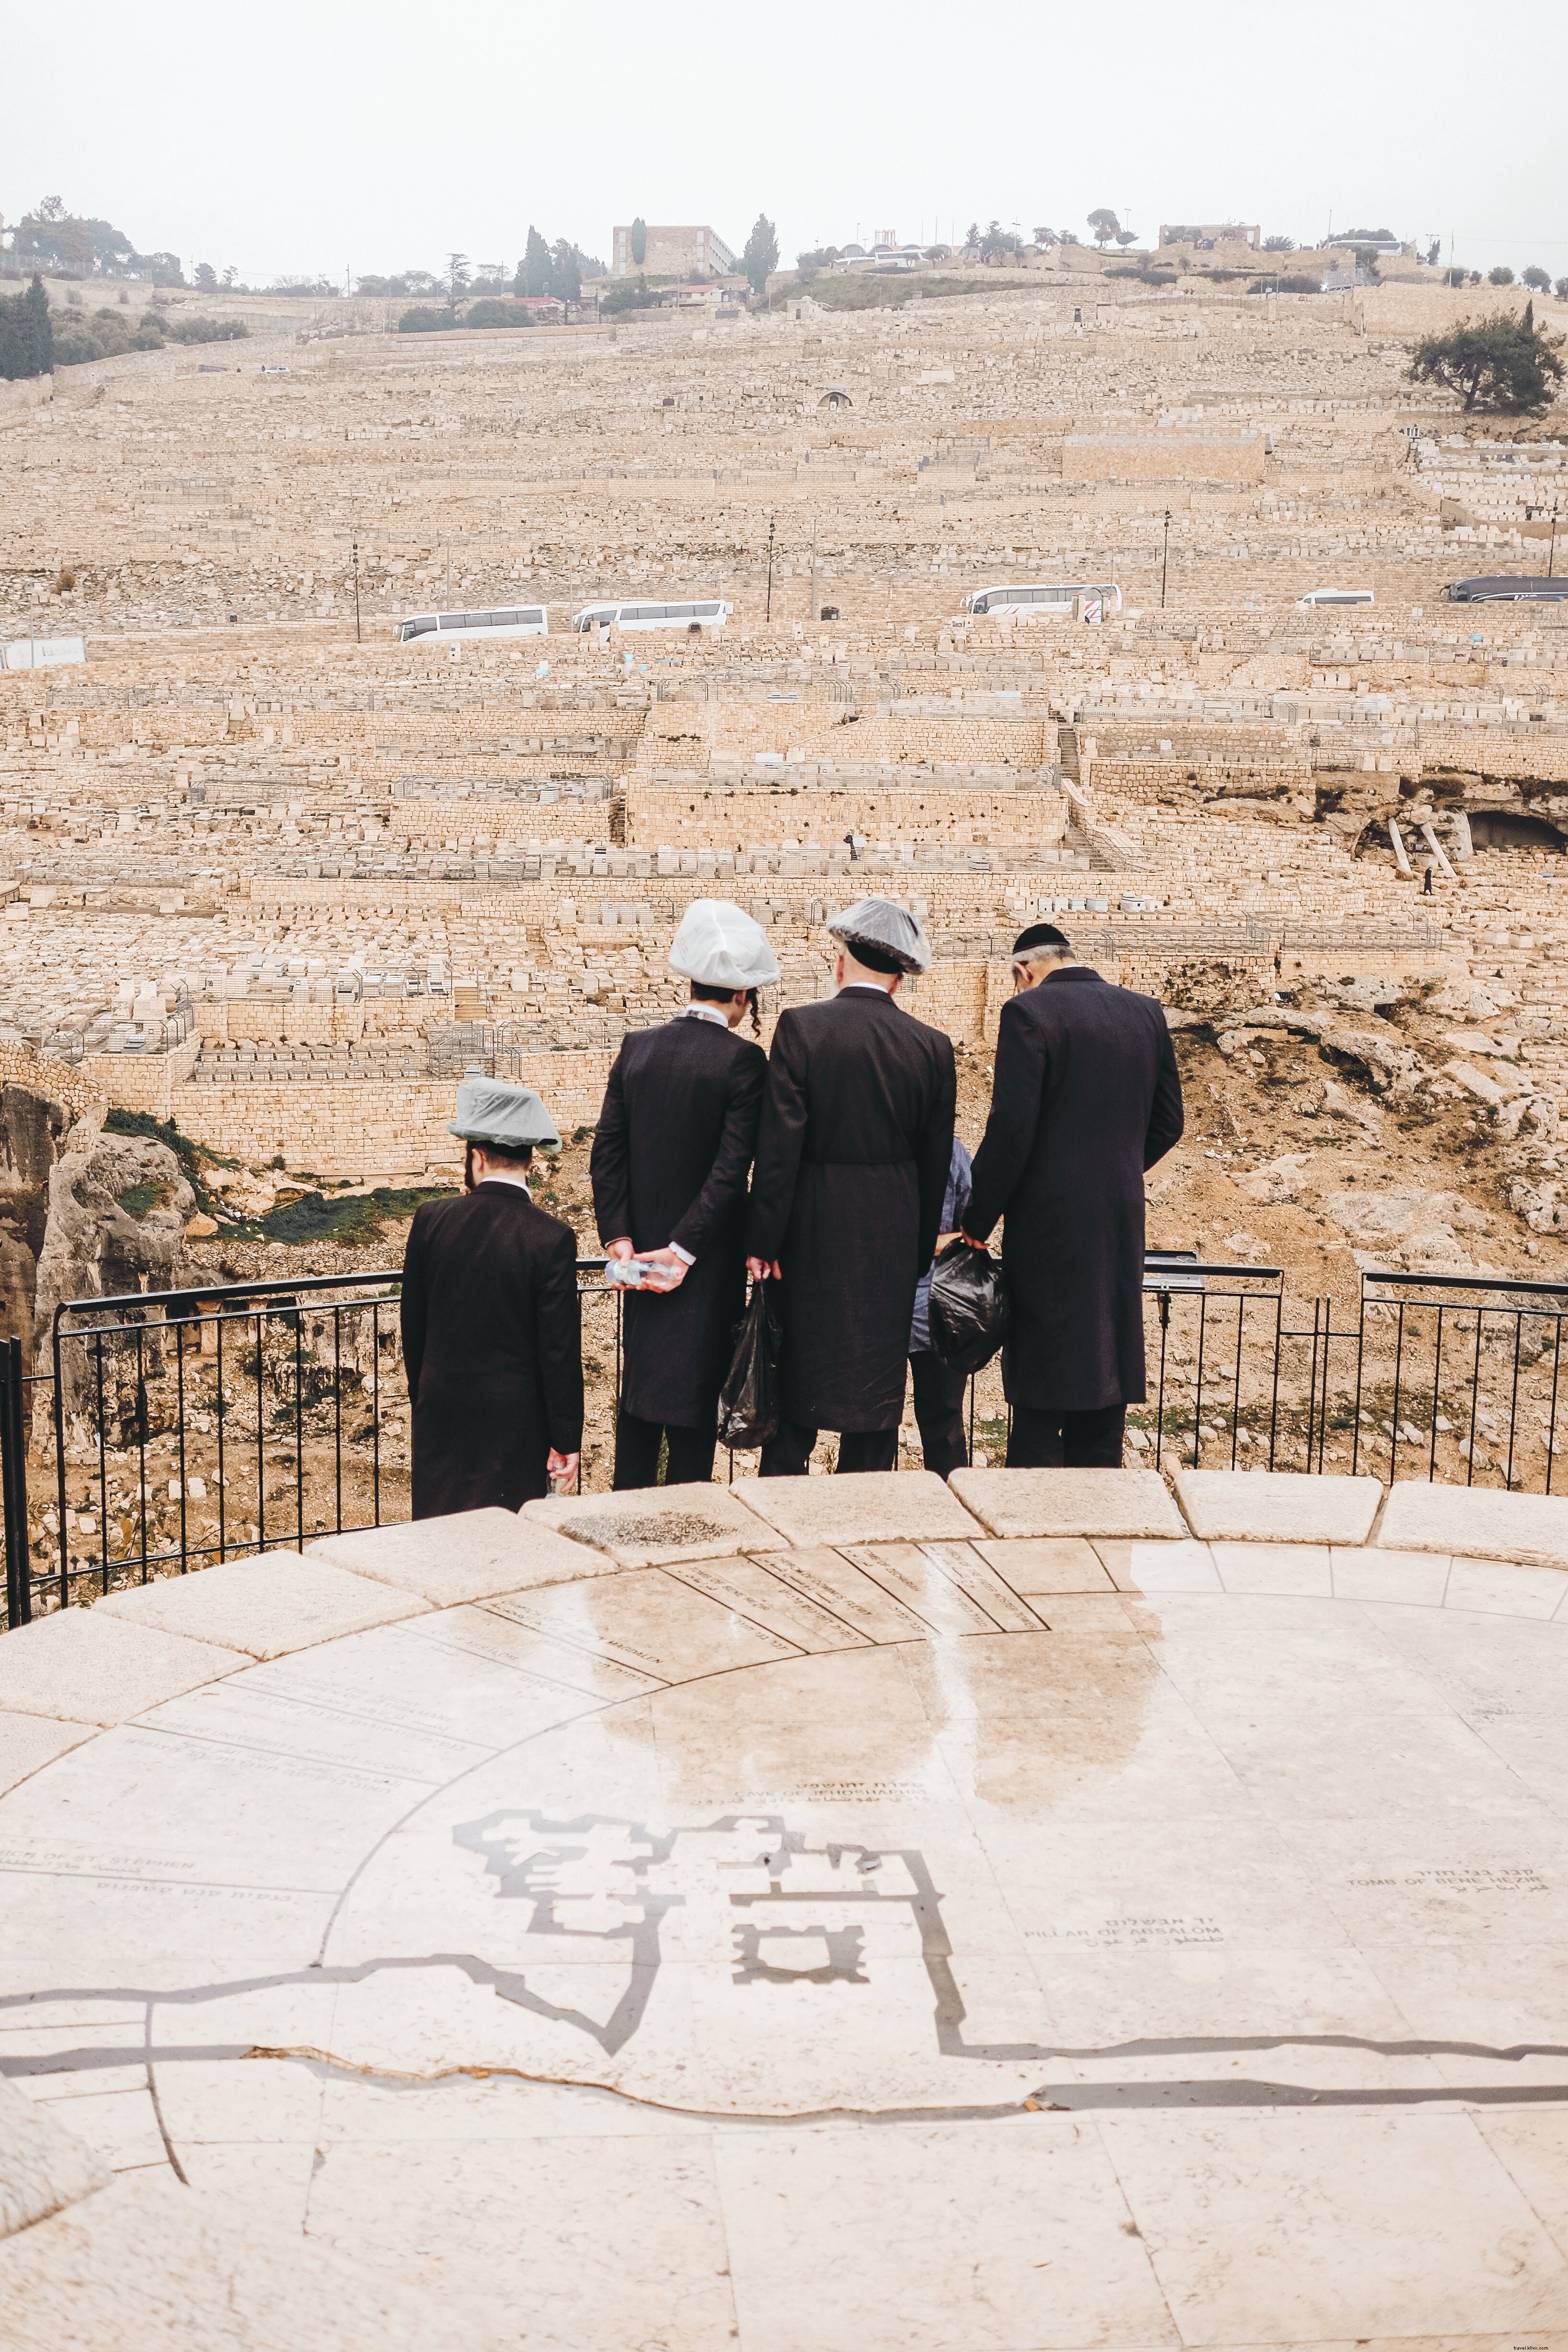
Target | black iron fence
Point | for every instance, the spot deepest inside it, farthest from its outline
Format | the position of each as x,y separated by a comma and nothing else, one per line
173,1429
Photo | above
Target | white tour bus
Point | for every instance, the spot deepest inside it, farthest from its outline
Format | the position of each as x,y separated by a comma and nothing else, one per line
521,621
1334,596
1059,599
711,614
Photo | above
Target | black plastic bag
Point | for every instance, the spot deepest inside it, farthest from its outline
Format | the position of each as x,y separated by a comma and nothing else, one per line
749,1408
969,1314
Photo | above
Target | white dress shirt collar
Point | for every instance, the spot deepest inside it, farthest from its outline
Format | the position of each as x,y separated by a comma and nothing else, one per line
703,1012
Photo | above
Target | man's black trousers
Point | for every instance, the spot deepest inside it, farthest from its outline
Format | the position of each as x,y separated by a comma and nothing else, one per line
1050,1440
939,1412
690,1459
787,1455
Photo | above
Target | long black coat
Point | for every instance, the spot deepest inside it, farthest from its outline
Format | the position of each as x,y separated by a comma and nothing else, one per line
1086,1097
492,1337
669,1163
852,1166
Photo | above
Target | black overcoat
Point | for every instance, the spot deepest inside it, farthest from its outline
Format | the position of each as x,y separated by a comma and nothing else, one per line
669,1163
492,1339
1086,1097
852,1166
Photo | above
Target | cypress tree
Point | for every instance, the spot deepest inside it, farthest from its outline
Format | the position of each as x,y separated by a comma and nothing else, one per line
41,334
27,336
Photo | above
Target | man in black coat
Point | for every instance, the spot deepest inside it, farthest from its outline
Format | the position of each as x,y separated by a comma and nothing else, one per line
1086,1097
671,1155
852,1168
492,1329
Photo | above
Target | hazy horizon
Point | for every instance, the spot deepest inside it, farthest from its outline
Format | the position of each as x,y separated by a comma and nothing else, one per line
380,138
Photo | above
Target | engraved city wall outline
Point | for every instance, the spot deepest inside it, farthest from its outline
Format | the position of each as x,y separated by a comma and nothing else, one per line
559,1866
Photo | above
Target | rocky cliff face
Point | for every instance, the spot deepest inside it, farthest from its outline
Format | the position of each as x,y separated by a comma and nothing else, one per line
83,1213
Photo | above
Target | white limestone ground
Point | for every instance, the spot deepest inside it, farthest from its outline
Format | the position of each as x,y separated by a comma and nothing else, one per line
998,1935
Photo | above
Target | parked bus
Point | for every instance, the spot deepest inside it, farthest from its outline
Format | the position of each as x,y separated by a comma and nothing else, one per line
521,621
1035,599
1315,596
711,615
1509,588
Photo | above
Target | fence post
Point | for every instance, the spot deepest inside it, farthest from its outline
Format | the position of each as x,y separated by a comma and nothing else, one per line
14,1485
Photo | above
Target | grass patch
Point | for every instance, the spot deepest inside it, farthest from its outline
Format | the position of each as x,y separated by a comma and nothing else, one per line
192,1156
139,1200
362,1219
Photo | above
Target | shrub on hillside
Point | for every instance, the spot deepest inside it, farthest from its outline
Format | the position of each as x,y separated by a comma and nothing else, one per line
493,313
109,333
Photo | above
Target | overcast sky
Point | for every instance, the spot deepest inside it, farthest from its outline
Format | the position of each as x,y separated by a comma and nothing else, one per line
302,138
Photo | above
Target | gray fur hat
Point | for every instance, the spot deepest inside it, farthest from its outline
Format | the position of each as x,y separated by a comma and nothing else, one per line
882,936
511,1118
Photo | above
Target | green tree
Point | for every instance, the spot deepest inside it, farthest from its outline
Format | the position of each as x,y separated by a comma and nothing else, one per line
565,271
1501,363
761,253
1535,277
206,278
533,269
639,241
998,243
1279,244
1105,224
27,334
1501,276
457,278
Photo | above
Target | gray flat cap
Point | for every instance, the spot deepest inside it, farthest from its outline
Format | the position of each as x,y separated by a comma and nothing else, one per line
512,1118
882,936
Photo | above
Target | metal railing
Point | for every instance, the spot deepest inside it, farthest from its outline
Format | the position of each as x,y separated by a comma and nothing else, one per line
194,1426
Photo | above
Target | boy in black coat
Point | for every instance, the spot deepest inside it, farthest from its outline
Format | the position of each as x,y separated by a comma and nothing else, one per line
1086,1097
671,1155
852,1168
492,1329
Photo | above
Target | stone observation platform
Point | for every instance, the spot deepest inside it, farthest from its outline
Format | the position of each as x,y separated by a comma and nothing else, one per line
824,1917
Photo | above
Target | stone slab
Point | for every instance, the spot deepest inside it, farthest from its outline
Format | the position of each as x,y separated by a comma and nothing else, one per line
1039,1564
657,1525
80,1666
463,1556
1277,1507
1477,1523
43,2167
870,1507
267,1607
1160,1567
147,2262
1114,1503
27,1742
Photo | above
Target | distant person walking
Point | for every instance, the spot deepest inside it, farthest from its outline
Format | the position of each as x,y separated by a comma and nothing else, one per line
492,1331
671,1155
1086,1097
939,1388
853,1158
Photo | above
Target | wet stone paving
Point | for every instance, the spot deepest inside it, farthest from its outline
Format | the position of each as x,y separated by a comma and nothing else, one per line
819,1916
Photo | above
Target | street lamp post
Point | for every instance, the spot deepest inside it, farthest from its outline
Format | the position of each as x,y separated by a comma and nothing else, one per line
770,610
1165,560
